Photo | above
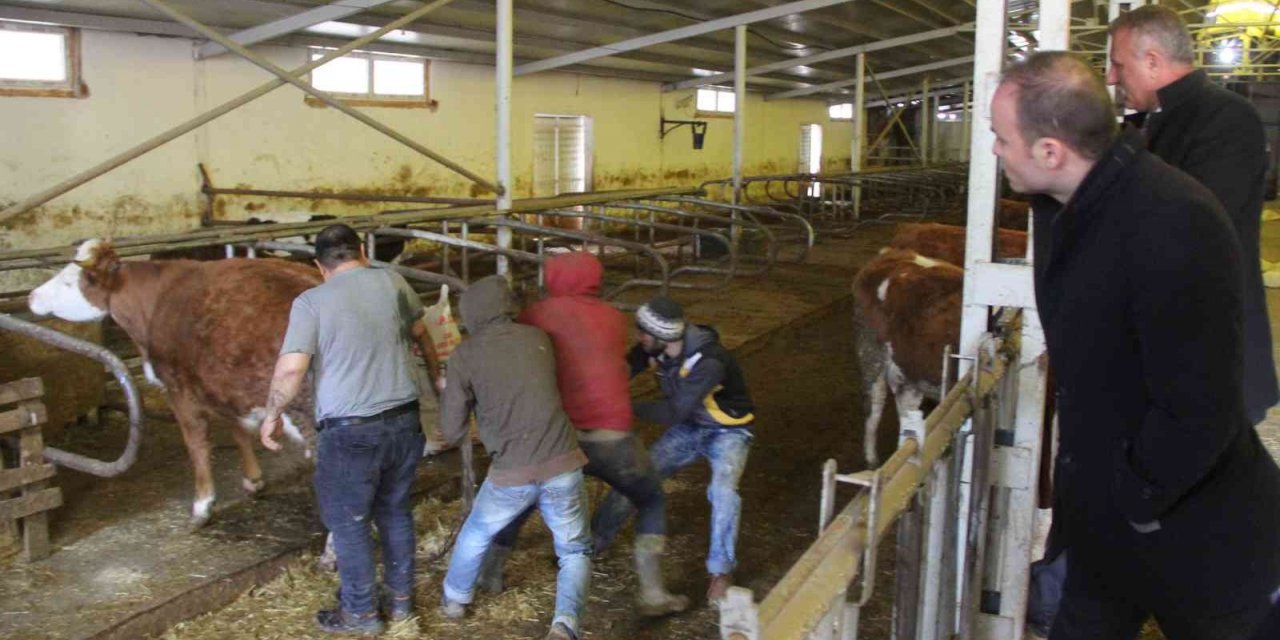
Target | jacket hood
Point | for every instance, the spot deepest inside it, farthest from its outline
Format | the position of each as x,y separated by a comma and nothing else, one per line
574,274
698,336
487,301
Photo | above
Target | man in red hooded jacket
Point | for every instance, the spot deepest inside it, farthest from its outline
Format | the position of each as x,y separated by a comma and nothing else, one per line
590,341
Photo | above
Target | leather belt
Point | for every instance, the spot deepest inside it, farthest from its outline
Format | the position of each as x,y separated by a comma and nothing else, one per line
355,421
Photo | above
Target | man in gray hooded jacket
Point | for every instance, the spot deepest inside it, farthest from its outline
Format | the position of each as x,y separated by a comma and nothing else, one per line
505,373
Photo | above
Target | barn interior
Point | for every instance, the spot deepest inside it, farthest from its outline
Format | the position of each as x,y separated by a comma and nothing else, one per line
464,138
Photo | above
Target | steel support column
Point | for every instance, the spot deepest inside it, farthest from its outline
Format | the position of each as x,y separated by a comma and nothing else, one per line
504,63
926,124
859,144
740,106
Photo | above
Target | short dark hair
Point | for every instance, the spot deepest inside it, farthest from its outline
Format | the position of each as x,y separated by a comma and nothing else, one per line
1162,27
1059,96
336,244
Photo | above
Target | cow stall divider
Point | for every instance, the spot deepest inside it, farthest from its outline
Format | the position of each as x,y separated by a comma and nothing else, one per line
839,202
620,227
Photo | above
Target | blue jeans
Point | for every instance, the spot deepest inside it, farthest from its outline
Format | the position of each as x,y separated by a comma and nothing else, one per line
365,473
725,449
624,465
564,508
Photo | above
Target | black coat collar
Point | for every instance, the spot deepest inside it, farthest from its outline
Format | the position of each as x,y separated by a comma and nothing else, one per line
1088,201
1181,90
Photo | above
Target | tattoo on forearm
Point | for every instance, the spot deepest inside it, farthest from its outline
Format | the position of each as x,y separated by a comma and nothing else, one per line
277,400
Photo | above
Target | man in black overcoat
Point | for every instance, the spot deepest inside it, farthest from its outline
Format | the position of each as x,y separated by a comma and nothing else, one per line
1164,497
1214,135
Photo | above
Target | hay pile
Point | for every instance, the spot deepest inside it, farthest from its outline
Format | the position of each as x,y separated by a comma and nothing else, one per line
284,608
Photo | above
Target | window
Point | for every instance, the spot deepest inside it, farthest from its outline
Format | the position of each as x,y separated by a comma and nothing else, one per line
39,60
372,79
840,111
716,101
561,154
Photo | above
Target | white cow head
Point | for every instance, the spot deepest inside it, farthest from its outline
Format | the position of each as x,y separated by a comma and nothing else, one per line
79,292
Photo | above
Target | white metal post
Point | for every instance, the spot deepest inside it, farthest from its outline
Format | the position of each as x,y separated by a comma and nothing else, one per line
966,126
925,124
739,107
1015,459
989,45
859,131
504,65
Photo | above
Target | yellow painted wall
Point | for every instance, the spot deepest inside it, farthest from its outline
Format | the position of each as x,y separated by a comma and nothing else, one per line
142,85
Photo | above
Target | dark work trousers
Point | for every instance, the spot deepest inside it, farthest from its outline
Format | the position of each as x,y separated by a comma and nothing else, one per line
624,465
364,475
1087,613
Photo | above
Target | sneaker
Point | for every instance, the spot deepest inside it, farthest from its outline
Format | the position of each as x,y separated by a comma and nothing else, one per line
339,621
452,610
397,608
561,632
719,588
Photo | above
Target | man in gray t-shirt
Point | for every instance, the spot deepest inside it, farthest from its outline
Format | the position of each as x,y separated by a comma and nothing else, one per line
354,334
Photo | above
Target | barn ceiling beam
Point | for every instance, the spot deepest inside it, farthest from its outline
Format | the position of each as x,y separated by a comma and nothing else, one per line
93,21
284,26
676,34
827,56
942,88
896,73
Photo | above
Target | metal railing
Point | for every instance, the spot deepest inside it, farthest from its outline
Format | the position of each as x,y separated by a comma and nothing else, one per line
121,373
813,599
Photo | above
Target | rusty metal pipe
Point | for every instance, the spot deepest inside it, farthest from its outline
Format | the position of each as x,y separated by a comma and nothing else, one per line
409,273
351,197
118,369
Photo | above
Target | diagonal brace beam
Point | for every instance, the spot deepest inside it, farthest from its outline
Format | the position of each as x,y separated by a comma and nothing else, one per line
825,56
675,34
338,10
265,64
896,73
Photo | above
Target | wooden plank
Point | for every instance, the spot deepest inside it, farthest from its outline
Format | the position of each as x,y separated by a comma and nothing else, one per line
30,504
26,415
35,527
11,479
19,390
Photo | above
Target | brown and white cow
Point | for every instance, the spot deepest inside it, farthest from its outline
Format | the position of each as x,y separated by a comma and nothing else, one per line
946,242
908,311
208,332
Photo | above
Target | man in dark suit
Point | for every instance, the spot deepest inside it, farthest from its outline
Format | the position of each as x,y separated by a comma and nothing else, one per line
1164,496
1214,135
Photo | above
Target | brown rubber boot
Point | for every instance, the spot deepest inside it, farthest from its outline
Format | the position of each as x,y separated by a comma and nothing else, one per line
654,599
492,570
719,587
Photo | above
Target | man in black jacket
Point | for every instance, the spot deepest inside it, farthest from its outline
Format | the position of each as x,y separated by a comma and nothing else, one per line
1164,496
1215,136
